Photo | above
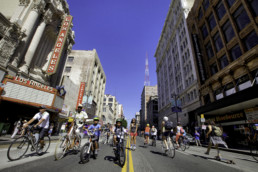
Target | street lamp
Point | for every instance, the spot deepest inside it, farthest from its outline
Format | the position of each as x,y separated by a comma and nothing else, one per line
175,105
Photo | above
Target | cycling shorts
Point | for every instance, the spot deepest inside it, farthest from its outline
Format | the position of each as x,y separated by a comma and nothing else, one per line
146,134
133,134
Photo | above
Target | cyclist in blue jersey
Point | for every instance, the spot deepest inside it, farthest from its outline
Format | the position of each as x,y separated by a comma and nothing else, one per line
95,127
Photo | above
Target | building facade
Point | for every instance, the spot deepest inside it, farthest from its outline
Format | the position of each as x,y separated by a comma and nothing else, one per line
28,37
108,115
176,71
120,111
224,34
85,66
147,92
111,102
152,111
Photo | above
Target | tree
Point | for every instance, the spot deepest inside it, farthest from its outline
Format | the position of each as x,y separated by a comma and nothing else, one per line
124,123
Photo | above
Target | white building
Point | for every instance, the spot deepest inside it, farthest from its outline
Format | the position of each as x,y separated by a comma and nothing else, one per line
176,71
120,111
85,66
147,92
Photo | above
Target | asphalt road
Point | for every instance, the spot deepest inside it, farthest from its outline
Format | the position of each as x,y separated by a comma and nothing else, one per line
143,159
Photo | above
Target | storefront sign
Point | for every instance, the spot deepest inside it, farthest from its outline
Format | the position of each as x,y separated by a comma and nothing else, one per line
199,60
33,83
81,93
252,115
60,42
227,118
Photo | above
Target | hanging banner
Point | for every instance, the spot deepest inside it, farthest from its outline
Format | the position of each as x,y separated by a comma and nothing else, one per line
60,42
80,95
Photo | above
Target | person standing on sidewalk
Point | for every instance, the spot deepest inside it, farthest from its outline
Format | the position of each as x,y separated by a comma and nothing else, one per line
197,138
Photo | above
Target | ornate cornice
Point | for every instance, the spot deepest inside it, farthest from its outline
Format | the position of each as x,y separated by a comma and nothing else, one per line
24,2
48,16
39,6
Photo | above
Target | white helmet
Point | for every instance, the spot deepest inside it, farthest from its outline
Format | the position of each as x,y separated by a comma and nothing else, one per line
165,118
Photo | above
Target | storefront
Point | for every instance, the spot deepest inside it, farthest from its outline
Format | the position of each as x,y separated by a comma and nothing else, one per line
20,99
236,114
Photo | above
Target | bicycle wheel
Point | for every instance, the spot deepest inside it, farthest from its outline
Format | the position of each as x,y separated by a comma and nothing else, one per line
61,147
43,149
121,156
182,145
18,148
187,144
172,149
85,153
254,150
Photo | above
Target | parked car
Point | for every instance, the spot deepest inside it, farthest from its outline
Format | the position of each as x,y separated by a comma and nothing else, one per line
190,138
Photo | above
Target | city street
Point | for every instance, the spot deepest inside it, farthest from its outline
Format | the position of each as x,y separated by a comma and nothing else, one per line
142,160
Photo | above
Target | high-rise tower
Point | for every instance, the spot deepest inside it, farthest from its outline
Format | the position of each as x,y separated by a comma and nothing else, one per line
146,81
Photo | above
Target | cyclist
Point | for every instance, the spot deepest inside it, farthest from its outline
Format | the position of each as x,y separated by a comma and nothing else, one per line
179,132
133,133
153,133
118,132
80,117
147,134
42,125
166,127
96,127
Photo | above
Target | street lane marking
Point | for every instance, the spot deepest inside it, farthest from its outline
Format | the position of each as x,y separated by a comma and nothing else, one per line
124,169
131,169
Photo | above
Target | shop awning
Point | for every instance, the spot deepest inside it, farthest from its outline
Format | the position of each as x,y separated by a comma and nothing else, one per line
241,100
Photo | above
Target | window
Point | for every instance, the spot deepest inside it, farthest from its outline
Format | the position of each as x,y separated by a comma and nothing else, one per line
220,10
251,40
218,42
110,104
231,2
209,50
212,22
235,52
213,68
241,18
229,86
243,79
228,31
204,31
68,69
223,61
70,59
110,99
254,6
206,99
105,99
205,4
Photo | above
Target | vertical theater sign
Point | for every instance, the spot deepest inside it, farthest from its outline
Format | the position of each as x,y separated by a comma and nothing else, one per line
80,94
60,42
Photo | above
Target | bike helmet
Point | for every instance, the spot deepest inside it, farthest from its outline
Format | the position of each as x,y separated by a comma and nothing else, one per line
165,118
96,119
148,125
118,120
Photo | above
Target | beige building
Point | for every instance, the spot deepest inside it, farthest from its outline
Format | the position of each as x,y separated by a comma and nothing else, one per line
147,92
176,71
120,111
111,102
85,66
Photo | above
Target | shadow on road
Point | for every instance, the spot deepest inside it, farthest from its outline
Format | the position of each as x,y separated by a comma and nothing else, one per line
111,159
244,159
157,153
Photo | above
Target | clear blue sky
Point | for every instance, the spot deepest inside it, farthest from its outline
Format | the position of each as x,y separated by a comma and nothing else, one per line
121,31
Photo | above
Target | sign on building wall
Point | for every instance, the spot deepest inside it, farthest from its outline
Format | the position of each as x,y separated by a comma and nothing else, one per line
60,42
81,93
199,59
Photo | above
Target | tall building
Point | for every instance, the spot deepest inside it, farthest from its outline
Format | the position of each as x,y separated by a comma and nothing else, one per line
108,115
120,111
84,66
224,34
176,71
30,49
138,118
147,92
111,102
152,111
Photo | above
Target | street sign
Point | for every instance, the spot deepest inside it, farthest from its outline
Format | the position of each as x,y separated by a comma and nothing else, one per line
202,119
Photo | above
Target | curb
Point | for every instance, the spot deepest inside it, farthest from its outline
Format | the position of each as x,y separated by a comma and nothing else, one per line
230,150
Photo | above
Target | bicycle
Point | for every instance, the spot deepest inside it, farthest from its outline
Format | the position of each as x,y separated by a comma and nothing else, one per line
20,146
88,148
120,151
171,147
71,141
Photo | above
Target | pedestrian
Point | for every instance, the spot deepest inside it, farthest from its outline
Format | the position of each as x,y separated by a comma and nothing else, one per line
147,134
51,129
17,127
133,133
214,134
197,138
